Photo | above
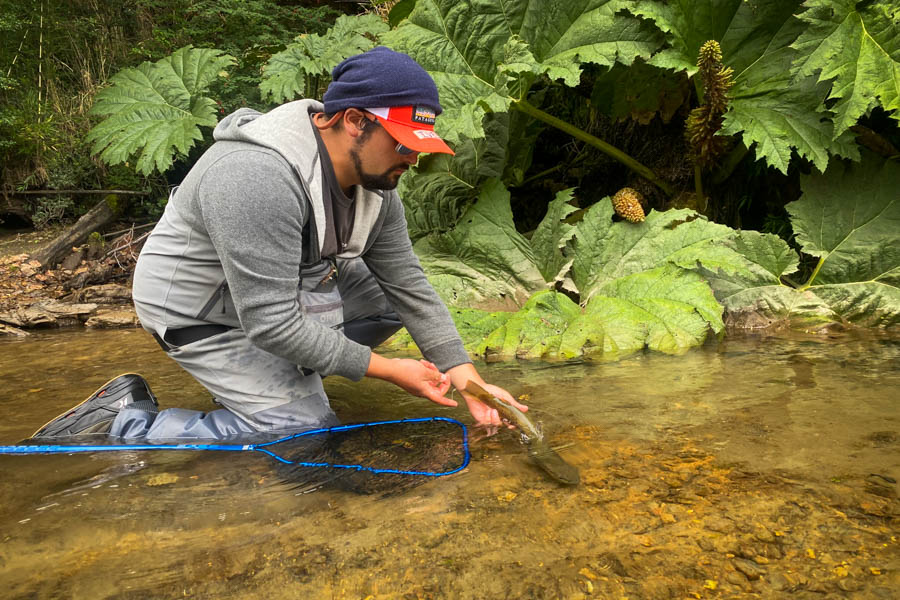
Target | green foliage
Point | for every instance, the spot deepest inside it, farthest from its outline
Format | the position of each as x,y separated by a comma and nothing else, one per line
634,280
769,108
303,68
850,219
50,210
440,187
156,109
666,309
552,235
605,251
484,56
855,46
483,258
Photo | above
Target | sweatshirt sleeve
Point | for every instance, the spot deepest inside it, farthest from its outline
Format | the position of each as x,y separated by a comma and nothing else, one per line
397,269
254,208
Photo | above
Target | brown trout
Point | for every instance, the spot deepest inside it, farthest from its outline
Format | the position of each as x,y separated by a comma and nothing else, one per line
538,449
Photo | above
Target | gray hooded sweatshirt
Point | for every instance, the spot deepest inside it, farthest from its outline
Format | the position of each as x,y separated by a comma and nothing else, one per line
229,248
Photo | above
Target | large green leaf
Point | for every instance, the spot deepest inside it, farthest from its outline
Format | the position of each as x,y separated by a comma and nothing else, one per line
483,55
768,108
483,261
605,251
849,218
754,296
667,309
634,278
288,73
440,187
856,46
551,237
156,109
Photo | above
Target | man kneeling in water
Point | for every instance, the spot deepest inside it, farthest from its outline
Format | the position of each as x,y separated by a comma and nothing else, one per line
283,257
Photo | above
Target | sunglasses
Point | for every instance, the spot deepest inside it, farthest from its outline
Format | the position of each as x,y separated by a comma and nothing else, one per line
399,148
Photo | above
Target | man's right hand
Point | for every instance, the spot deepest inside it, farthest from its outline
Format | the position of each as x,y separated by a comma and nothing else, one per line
418,377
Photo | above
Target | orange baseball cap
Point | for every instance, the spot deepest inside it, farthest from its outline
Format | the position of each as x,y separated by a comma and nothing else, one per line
412,126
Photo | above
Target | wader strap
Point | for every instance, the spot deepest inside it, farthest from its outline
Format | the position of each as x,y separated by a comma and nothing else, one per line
187,335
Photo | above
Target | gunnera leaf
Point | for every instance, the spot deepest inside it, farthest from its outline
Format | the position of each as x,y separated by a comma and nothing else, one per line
483,55
287,73
770,109
482,262
849,217
856,47
440,187
156,109
668,309
604,251
551,237
754,296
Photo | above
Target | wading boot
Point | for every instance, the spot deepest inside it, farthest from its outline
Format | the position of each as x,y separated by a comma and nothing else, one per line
96,414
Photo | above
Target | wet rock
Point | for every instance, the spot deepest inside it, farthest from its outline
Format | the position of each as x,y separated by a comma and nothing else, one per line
751,570
769,551
718,524
108,293
107,319
764,535
736,579
706,544
746,551
881,485
10,330
819,587
780,582
47,313
725,545
848,584
609,563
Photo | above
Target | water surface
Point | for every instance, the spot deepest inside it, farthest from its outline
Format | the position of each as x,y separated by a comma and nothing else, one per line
758,466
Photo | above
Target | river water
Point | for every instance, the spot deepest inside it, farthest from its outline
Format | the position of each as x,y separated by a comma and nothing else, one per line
756,466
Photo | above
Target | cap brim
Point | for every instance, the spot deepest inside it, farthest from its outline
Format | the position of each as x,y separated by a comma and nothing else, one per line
420,140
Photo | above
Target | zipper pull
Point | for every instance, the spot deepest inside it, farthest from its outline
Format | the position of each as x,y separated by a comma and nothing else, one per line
331,273
222,296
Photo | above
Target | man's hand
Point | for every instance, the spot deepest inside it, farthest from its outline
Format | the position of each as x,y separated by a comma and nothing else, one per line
483,414
418,377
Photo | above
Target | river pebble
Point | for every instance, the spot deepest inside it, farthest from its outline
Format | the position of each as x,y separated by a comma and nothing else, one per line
750,569
848,585
764,535
706,544
737,579
718,524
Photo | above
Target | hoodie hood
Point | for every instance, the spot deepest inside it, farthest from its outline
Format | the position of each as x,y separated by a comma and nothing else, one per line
288,131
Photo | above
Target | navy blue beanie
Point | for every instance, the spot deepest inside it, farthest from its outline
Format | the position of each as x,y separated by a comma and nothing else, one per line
380,78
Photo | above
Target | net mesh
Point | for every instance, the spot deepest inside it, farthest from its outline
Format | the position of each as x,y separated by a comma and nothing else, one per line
428,446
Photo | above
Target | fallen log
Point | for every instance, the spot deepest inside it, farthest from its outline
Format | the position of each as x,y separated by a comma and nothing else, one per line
53,253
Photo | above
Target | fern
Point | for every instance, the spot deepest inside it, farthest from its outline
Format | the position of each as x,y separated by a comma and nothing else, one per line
304,66
156,109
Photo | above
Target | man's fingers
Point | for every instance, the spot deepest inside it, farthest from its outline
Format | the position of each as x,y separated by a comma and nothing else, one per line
438,398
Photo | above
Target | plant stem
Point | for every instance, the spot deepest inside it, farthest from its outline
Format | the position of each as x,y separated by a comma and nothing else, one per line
596,142
698,186
814,273
541,174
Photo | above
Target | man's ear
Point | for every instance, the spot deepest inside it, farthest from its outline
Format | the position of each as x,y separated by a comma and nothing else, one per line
335,121
354,122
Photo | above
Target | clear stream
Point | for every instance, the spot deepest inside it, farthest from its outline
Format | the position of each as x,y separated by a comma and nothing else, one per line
756,466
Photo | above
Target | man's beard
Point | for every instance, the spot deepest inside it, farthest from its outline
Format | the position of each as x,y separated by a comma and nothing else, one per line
384,181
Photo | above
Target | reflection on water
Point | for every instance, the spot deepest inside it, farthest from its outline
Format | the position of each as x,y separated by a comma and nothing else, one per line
757,465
